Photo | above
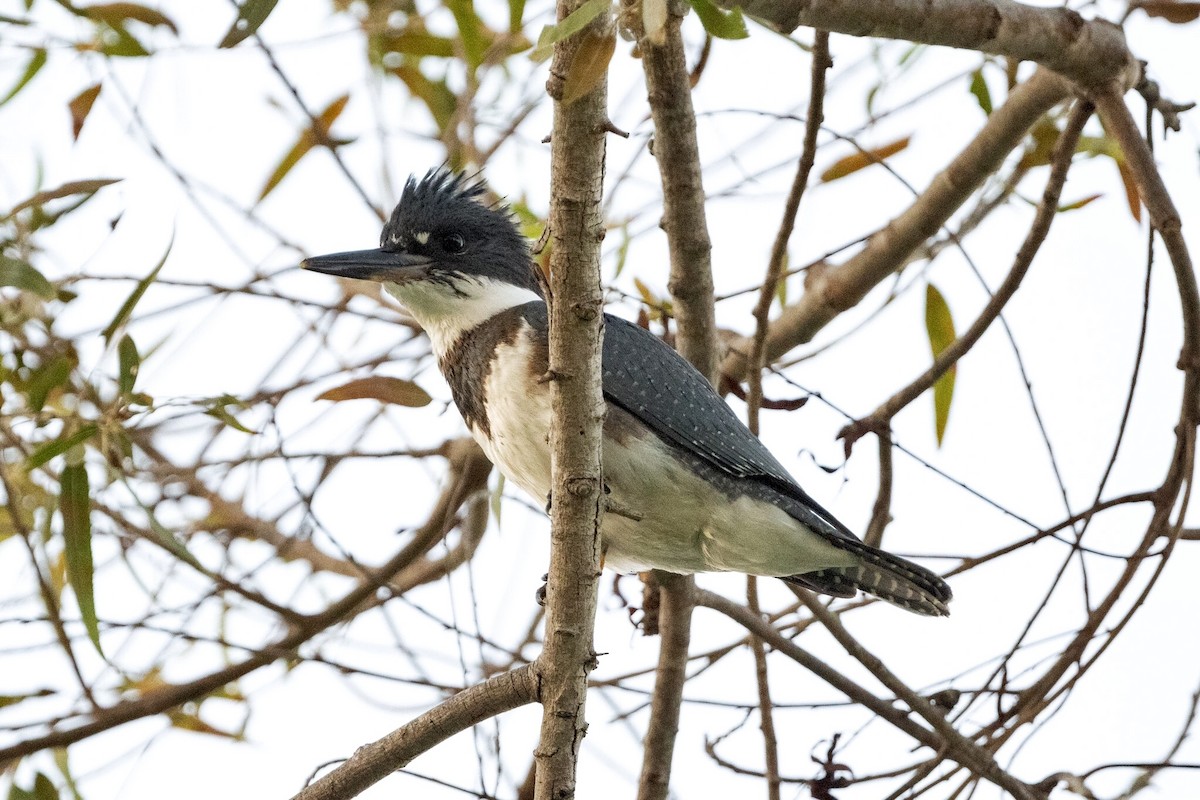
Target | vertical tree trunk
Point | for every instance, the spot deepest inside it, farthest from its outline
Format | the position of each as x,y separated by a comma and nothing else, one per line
576,328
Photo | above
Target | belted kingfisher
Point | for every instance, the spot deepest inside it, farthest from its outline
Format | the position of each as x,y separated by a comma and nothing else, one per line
697,492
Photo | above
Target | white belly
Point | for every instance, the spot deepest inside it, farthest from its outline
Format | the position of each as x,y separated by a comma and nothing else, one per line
686,524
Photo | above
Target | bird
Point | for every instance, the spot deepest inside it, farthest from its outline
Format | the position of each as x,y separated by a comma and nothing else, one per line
688,488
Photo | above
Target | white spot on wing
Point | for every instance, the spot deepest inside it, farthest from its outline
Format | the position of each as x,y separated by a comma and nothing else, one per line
422,237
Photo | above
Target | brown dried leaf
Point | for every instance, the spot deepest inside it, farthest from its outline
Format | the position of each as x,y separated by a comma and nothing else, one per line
1178,13
80,106
382,388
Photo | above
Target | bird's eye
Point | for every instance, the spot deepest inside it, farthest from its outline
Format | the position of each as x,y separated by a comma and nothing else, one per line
454,243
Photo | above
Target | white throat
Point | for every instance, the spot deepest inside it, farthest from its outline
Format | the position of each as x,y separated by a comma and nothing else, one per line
446,314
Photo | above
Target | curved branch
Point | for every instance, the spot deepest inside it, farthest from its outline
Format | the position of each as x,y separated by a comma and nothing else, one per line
834,290
1092,53
373,762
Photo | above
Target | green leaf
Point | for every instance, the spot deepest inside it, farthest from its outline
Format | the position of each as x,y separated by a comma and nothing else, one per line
383,388
36,62
576,21
126,310
44,788
416,43
435,94
251,15
470,30
939,324
128,363
165,537
117,41
315,134
17,793
22,275
979,88
57,447
64,767
218,410
516,12
89,188
74,503
47,378
720,24
7,700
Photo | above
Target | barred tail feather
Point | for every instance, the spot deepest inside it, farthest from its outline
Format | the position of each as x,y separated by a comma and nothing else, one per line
886,576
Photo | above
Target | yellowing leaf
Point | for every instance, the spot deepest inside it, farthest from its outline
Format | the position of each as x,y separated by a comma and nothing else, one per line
939,324
192,722
116,14
315,134
1080,203
863,159
589,66
1045,136
88,187
383,388
1132,195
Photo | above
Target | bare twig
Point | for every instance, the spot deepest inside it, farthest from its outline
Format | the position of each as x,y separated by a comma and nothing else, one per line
1047,210
821,63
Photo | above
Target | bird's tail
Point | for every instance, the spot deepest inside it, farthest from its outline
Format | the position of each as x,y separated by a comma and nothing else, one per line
884,575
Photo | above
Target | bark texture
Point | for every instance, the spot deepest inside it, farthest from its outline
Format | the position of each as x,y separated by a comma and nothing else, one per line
1092,53
576,328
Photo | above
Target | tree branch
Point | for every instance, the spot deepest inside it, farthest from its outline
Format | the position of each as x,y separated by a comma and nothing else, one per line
677,153
373,762
1092,53
834,290
576,330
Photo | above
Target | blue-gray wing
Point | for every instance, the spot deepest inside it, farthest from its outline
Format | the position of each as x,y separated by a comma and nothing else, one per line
654,383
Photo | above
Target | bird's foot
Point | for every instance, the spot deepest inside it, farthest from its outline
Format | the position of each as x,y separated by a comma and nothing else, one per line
540,594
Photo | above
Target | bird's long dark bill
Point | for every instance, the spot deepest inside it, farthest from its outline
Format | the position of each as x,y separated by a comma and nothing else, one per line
372,265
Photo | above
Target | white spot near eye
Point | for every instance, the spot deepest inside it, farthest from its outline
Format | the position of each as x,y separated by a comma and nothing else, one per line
394,238
422,237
